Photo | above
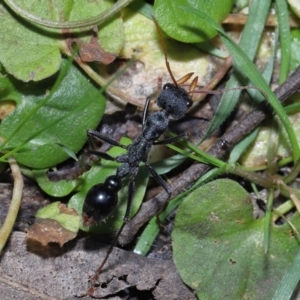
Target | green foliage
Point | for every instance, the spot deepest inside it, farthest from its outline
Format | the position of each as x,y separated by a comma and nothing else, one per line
244,65
295,44
53,211
219,247
249,43
186,28
56,189
285,38
32,52
40,128
41,55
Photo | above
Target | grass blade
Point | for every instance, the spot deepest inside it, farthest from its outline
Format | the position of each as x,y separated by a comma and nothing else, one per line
285,38
249,42
244,65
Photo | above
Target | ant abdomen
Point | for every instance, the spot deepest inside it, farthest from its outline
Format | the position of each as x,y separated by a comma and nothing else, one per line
101,200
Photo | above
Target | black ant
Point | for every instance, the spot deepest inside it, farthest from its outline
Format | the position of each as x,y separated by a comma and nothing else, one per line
102,198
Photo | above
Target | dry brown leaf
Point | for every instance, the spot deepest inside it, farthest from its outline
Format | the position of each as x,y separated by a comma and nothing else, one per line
35,272
47,231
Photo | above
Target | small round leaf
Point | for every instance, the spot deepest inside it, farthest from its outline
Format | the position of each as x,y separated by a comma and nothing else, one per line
219,247
173,20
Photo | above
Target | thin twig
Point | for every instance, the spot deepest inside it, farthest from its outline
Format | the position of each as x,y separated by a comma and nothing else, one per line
241,19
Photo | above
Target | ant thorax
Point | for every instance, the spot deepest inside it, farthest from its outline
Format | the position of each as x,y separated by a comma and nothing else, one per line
137,152
156,124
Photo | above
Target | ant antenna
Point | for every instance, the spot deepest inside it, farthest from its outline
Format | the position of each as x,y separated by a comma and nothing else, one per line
193,85
165,51
221,91
186,77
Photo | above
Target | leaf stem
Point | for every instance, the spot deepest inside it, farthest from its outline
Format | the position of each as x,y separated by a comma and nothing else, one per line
69,24
15,203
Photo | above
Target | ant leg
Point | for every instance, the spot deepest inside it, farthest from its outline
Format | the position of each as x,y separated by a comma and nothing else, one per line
145,111
173,139
84,166
131,189
105,138
102,155
158,179
148,99
99,269
91,141
84,162
92,133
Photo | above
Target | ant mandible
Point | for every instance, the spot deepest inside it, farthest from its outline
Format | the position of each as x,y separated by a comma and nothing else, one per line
102,198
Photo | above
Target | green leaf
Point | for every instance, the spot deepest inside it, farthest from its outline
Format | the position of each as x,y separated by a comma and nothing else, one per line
63,120
56,189
294,4
152,230
219,248
255,154
24,53
77,24
289,281
240,148
143,8
166,165
295,45
167,13
285,38
31,52
55,211
98,174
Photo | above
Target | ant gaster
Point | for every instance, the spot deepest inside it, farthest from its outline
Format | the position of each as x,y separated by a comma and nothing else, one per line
102,198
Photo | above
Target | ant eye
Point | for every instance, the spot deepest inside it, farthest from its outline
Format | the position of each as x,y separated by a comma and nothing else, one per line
167,86
189,103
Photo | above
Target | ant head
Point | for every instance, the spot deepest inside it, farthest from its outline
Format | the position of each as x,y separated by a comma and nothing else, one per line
174,100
